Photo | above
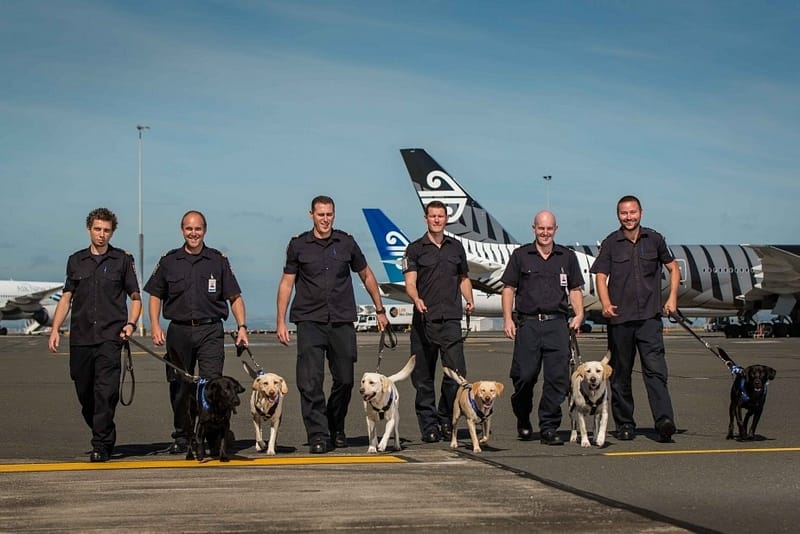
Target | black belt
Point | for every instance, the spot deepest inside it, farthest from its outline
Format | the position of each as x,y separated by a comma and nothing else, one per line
197,322
543,316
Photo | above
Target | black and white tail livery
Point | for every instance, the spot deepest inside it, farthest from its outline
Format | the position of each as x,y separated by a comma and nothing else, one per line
467,219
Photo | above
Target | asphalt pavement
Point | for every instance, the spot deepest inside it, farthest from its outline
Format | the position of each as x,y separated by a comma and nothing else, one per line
701,482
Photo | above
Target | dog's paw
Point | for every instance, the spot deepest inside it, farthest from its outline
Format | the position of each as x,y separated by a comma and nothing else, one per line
270,452
485,440
381,448
261,446
454,444
573,437
585,443
600,442
372,450
476,449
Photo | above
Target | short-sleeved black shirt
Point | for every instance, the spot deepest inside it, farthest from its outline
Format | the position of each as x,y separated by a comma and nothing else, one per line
634,273
323,282
439,271
100,286
538,281
193,286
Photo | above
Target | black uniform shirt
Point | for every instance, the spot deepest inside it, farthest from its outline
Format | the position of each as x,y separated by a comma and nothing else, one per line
439,271
323,283
542,284
100,286
634,273
193,286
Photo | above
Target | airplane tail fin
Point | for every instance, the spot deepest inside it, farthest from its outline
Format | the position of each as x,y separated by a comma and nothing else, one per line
467,218
391,243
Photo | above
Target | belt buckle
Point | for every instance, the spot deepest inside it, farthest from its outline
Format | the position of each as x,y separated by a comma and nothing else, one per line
542,317
195,322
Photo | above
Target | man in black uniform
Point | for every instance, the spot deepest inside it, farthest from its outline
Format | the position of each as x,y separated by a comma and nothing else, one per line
628,270
195,284
99,280
542,280
318,265
436,276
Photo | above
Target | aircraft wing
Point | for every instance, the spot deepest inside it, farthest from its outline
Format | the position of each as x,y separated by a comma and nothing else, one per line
780,268
395,291
30,299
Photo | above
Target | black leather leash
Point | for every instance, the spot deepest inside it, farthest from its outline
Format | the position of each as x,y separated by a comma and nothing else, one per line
241,349
164,360
678,317
382,344
127,368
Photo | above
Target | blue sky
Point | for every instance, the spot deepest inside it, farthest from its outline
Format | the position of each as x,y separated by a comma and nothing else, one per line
256,107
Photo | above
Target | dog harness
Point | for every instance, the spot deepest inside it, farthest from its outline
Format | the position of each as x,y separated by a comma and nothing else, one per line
271,411
592,405
201,393
483,417
382,411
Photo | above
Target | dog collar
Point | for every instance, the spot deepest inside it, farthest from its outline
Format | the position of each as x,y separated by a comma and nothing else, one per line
382,411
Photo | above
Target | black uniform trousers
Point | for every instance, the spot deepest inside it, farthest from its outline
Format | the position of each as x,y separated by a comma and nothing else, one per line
623,341
428,340
317,342
95,369
187,346
540,346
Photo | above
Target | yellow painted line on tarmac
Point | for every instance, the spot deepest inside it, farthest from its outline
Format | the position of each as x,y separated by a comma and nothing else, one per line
702,451
171,464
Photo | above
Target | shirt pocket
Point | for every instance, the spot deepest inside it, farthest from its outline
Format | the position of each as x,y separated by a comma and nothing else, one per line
650,264
310,265
176,285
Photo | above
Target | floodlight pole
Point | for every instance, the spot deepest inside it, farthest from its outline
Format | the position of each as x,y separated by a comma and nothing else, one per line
141,128
547,180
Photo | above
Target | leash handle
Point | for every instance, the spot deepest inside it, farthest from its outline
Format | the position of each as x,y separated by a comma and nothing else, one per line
382,344
127,368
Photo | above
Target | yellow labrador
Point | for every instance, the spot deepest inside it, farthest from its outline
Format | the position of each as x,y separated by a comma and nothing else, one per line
475,402
591,399
266,404
381,402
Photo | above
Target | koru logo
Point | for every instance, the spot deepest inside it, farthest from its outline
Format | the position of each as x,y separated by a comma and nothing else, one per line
396,244
446,190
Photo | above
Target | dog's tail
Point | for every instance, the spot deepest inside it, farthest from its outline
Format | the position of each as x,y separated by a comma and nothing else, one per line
606,358
454,375
405,372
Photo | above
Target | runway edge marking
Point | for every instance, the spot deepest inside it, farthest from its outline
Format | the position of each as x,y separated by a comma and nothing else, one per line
701,451
172,464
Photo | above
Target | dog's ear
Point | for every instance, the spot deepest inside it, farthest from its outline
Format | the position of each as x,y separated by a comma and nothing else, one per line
580,371
257,385
476,386
770,373
284,387
607,370
238,386
499,387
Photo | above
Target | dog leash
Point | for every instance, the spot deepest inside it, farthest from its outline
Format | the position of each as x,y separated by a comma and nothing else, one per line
164,360
241,349
382,344
574,349
678,317
127,368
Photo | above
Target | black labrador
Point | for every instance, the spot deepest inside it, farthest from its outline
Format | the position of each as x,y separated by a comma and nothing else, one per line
216,400
748,395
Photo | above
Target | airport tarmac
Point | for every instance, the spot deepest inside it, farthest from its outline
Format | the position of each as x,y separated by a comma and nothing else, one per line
701,482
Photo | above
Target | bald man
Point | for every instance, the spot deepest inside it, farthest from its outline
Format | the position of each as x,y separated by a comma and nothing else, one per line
542,282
